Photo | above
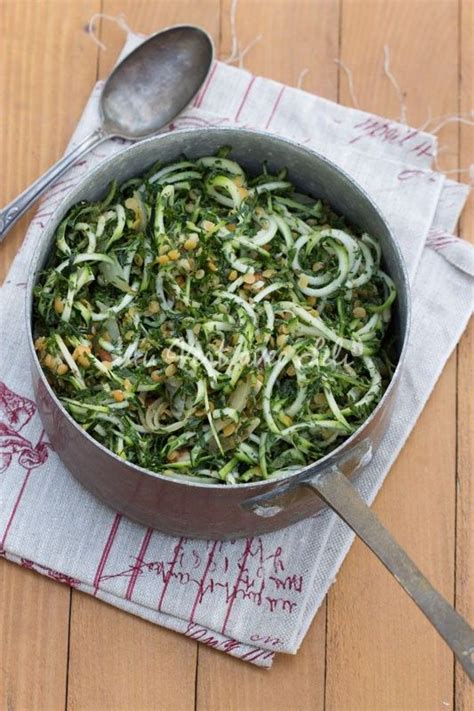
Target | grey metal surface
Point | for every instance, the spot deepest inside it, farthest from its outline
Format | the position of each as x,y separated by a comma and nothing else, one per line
206,510
155,82
335,489
151,86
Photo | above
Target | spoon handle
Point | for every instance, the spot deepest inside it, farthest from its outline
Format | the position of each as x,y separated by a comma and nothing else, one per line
342,497
15,209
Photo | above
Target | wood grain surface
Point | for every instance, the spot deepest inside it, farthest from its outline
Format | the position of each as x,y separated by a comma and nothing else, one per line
369,648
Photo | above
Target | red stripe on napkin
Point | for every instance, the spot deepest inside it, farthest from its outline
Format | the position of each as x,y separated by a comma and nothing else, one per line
200,97
230,605
198,597
275,106
167,579
139,561
244,98
106,551
15,507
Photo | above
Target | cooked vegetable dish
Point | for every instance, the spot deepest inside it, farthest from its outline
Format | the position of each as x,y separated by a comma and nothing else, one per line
204,323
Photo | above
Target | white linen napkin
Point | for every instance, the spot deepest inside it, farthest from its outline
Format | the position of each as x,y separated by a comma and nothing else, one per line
256,596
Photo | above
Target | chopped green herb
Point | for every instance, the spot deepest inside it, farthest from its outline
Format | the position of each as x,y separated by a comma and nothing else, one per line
203,323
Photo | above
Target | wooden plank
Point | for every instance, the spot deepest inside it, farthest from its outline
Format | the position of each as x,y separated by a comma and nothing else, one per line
33,640
294,682
118,661
47,68
382,653
45,76
396,659
149,16
296,35
464,691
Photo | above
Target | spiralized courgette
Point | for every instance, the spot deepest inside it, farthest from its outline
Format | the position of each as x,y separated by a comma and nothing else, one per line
203,323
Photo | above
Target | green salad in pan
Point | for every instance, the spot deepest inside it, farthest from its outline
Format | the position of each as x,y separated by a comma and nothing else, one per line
202,322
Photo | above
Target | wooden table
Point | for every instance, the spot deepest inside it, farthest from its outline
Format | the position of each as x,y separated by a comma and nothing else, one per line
368,647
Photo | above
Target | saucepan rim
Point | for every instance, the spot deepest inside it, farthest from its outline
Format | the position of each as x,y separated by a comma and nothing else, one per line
59,212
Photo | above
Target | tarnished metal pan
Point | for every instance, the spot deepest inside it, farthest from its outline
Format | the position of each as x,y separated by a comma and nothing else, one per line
189,508
216,511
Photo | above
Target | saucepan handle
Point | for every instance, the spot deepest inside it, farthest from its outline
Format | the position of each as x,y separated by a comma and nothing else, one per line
337,491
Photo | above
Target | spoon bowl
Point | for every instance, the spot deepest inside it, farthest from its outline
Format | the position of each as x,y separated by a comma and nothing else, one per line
142,94
145,91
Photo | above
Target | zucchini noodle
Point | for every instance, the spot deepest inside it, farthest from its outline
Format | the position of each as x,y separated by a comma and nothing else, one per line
204,323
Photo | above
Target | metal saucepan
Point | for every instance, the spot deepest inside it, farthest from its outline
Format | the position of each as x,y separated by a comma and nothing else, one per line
217,511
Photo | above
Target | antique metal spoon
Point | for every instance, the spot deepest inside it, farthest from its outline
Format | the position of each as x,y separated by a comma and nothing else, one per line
151,86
